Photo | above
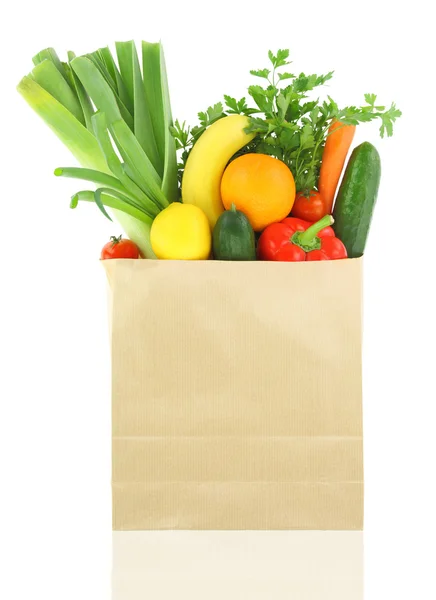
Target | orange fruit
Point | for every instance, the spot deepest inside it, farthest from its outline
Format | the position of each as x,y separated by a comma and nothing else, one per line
260,186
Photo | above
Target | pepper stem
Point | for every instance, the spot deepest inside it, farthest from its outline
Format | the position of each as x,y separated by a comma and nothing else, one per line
311,232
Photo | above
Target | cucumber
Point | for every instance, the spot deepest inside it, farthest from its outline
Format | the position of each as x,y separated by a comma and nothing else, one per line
233,237
356,199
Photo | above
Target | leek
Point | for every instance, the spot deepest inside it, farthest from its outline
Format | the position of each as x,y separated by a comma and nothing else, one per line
115,165
90,175
47,76
111,202
143,126
81,143
99,90
50,54
103,111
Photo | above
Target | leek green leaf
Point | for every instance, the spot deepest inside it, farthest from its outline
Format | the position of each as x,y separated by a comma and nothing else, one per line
99,90
91,175
116,166
99,203
153,92
124,55
81,143
140,165
47,76
50,54
143,126
170,181
111,202
112,67
123,198
109,62
115,83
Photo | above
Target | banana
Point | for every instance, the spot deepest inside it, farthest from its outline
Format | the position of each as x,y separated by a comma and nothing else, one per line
207,161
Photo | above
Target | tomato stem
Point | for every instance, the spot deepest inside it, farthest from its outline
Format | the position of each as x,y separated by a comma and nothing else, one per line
115,240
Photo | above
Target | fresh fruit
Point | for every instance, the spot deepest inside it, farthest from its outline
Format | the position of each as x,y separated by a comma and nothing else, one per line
181,232
309,206
261,186
297,240
357,197
333,159
118,247
207,161
233,237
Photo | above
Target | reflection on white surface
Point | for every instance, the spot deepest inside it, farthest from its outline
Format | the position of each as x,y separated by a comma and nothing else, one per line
227,565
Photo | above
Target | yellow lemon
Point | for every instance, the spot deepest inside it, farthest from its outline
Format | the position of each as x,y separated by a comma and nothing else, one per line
181,232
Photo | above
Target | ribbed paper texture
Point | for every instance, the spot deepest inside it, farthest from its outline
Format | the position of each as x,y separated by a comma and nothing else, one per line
236,395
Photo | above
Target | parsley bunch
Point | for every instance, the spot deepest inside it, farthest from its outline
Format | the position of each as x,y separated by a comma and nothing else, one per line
288,125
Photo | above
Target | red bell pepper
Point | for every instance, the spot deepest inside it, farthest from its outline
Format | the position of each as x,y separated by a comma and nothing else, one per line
296,240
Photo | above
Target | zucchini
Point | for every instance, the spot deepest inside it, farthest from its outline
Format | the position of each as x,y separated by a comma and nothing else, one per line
233,237
356,199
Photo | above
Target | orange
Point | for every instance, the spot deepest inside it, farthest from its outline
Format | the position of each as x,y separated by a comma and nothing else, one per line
260,186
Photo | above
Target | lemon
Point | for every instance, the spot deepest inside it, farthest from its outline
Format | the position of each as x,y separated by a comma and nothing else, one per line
181,232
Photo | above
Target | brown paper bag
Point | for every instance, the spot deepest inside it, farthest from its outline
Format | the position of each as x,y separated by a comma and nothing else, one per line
236,394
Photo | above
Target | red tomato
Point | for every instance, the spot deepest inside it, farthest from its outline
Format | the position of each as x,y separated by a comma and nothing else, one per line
309,207
119,248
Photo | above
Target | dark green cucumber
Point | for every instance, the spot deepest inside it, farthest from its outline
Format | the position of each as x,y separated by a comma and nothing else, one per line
233,237
356,198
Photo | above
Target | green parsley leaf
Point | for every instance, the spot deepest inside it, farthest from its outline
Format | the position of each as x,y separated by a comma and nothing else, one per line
264,73
283,76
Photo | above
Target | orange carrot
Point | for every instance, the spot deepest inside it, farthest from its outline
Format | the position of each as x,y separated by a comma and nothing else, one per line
333,159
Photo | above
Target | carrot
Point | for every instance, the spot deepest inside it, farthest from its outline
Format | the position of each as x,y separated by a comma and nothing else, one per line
333,159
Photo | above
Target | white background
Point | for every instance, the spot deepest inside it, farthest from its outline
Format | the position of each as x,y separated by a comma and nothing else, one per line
55,379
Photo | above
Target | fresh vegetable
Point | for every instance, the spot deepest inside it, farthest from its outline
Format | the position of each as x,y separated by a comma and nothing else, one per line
132,120
118,247
333,159
288,124
233,237
261,186
207,161
297,240
357,197
181,232
309,206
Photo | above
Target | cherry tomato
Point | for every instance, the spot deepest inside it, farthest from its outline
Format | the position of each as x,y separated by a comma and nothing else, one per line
119,248
309,206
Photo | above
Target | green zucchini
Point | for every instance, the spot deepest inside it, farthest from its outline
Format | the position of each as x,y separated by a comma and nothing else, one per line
356,199
233,237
